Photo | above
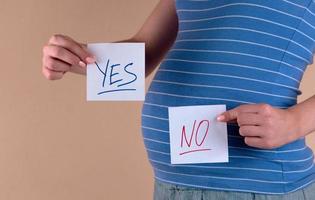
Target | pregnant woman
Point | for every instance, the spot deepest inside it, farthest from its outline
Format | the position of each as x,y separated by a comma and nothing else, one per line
247,54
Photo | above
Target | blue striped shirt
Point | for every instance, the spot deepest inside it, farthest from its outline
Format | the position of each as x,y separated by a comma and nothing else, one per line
234,52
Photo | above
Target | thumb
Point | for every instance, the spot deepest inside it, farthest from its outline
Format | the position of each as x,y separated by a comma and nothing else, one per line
90,57
228,115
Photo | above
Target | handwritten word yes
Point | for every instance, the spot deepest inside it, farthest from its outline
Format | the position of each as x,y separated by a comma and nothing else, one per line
113,77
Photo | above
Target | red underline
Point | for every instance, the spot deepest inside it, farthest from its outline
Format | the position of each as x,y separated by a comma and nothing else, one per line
191,151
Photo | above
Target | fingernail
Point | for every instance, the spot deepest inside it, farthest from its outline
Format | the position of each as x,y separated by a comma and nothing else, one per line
82,64
220,118
91,59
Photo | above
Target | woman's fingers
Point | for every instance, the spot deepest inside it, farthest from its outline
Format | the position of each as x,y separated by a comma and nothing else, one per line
55,64
254,142
78,70
251,131
62,54
72,46
246,118
52,75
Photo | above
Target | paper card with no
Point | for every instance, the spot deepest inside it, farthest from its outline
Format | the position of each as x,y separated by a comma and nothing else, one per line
118,73
196,136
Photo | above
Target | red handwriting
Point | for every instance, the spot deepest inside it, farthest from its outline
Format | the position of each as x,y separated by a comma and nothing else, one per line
192,151
198,144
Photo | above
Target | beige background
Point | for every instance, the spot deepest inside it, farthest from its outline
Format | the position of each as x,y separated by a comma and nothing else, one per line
53,144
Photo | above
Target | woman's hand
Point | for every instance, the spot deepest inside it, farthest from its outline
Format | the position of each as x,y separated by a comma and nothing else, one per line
63,54
262,125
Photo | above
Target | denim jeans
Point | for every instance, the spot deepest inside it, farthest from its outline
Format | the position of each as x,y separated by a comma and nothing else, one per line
165,191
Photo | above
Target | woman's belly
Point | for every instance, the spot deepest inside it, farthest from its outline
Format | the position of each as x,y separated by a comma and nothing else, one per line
180,85
222,57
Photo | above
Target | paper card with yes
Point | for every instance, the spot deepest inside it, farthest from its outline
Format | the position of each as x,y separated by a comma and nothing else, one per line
196,136
118,73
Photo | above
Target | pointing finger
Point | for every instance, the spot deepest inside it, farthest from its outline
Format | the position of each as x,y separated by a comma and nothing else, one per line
228,115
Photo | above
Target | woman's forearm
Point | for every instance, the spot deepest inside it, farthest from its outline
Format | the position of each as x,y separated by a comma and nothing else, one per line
158,32
304,113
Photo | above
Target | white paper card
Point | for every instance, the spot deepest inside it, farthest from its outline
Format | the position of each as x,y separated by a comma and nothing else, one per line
118,73
196,136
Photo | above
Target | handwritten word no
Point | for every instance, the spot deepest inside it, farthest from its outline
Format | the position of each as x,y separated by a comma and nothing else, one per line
115,79
197,145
